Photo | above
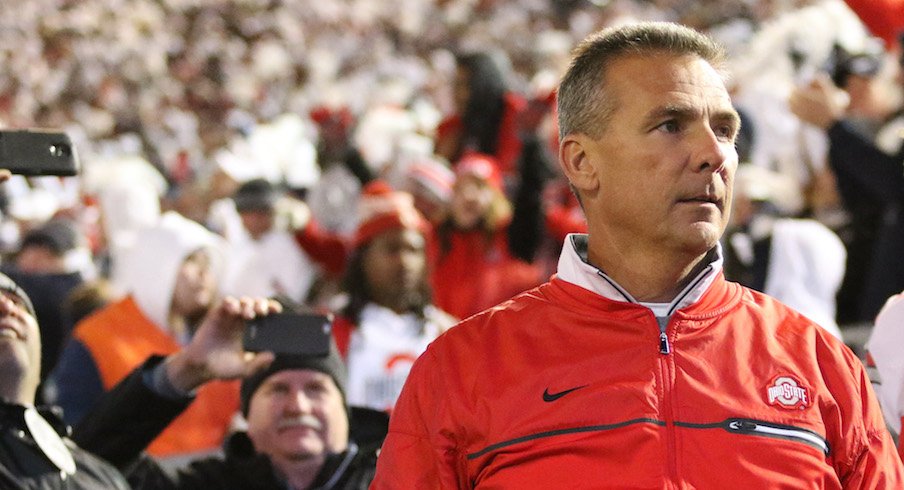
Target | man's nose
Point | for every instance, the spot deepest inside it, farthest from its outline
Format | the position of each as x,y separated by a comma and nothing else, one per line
710,153
410,258
298,402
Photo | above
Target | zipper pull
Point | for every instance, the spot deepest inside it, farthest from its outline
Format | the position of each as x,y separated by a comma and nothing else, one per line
664,347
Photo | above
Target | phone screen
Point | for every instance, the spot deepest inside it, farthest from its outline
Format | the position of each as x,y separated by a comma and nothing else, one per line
290,333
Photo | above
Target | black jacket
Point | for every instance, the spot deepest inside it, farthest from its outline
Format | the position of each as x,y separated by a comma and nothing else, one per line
131,415
24,466
244,469
865,172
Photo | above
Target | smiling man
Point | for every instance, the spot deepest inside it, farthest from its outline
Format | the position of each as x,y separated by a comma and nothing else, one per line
638,365
300,433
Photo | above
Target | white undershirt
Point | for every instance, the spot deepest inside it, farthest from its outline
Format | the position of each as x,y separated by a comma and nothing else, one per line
574,268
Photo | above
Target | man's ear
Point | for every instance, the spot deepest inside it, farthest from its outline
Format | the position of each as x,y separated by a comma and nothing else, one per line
576,164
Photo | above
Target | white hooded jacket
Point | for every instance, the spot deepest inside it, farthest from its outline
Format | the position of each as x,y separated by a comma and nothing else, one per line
148,270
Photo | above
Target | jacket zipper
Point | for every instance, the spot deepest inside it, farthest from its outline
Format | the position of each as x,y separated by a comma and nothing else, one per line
664,346
350,454
779,431
665,364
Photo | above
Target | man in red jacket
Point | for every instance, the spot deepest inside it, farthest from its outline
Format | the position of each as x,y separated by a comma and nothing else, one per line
638,365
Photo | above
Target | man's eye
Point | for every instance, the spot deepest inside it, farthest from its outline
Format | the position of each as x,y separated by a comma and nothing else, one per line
278,389
726,132
315,389
670,127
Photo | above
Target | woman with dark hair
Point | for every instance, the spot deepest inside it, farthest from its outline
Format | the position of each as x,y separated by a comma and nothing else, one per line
486,118
388,318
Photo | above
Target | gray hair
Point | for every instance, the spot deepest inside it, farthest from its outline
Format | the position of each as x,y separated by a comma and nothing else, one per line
583,105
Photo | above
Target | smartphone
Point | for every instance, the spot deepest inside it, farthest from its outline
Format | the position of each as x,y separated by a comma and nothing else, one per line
290,333
34,152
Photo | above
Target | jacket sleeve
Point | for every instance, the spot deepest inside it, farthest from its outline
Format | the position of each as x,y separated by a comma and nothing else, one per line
879,466
901,446
126,419
330,250
356,164
419,451
869,459
859,162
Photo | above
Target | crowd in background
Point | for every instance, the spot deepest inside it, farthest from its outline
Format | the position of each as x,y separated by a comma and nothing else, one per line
268,122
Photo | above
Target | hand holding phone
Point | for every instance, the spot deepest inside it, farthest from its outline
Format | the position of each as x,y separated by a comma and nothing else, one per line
290,333
215,350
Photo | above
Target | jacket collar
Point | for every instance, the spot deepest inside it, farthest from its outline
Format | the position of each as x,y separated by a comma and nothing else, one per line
574,268
240,451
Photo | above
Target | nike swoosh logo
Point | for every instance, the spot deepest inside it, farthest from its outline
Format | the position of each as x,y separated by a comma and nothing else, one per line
551,397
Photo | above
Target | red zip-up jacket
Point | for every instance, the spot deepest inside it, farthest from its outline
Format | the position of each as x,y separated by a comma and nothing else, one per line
562,387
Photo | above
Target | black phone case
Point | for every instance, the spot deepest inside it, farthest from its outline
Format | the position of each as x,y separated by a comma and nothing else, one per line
289,334
38,152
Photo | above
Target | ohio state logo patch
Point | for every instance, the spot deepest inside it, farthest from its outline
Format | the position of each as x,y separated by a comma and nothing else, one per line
787,392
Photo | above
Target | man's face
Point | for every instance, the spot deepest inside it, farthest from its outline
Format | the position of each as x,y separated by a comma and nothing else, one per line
258,222
395,266
298,414
20,349
36,259
196,286
666,158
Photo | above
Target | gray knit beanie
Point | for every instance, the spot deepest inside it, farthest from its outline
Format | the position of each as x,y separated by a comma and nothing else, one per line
7,285
330,364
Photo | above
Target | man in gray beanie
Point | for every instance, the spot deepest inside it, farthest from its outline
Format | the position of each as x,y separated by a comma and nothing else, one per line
297,433
331,365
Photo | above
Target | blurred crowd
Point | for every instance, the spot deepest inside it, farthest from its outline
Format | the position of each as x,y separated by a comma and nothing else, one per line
288,136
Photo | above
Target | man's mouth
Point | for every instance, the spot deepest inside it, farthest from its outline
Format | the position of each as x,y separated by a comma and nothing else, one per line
704,198
10,332
304,421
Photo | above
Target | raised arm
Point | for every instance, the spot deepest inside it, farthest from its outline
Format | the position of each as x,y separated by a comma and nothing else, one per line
126,419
